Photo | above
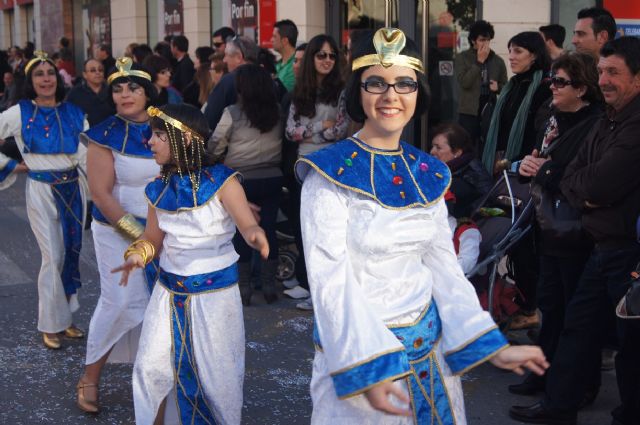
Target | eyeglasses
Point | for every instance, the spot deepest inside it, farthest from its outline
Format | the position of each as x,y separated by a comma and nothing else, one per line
95,70
560,82
323,55
380,87
133,88
218,45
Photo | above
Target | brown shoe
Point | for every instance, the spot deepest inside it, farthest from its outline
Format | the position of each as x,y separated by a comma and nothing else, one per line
51,341
85,404
74,332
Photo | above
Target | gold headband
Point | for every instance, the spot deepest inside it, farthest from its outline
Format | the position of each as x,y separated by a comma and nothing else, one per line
155,112
123,65
39,56
388,43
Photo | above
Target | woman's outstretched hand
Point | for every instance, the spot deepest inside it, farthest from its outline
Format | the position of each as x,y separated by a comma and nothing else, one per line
256,239
520,357
133,262
378,398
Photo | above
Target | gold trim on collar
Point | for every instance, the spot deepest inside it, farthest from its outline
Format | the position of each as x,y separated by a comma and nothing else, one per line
123,65
39,56
388,43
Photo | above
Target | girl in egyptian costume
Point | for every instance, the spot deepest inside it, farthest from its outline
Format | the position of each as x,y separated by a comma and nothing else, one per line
120,165
396,321
191,349
46,131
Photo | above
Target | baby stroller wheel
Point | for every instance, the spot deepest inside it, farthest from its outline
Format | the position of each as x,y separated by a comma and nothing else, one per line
286,265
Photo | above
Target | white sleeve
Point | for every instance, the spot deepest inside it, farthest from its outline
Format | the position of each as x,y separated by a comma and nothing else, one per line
469,249
360,350
469,334
10,124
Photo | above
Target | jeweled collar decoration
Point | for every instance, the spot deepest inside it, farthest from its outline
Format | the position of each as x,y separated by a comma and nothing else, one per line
39,56
388,43
123,66
397,179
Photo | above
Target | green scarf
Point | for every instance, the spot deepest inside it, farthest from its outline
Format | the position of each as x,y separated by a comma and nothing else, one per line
516,134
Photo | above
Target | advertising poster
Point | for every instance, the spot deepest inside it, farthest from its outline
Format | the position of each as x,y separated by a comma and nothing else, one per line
627,14
244,17
173,17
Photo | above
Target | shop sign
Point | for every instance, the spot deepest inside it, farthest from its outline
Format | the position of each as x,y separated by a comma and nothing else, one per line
244,17
173,17
445,68
267,17
6,4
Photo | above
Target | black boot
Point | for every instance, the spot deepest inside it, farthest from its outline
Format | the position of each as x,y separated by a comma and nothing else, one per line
268,271
244,282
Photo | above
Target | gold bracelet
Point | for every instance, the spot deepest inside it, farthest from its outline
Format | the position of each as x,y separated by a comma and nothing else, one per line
143,248
129,227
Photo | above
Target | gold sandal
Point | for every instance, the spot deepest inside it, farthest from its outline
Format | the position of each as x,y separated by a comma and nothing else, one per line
73,332
89,406
52,342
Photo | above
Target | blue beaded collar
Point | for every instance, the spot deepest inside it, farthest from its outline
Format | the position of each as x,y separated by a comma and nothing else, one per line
122,136
50,130
398,179
177,194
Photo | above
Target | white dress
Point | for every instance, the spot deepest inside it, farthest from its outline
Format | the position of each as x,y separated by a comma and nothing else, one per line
117,319
391,302
54,311
197,241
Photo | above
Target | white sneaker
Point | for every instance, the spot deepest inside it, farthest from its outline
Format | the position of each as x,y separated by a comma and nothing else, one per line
297,293
290,283
305,305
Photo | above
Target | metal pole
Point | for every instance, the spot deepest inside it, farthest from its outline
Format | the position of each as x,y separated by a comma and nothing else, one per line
424,121
387,13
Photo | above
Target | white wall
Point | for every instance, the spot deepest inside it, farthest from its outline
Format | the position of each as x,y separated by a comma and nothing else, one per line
309,16
510,17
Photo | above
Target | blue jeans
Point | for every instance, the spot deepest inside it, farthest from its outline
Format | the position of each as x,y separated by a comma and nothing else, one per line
603,283
265,193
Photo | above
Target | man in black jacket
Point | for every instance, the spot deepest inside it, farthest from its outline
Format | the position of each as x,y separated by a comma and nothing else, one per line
604,182
184,70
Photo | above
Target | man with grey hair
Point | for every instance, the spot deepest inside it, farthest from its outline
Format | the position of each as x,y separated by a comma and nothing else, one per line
238,51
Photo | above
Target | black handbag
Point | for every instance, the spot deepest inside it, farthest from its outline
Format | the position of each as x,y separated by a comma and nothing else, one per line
558,222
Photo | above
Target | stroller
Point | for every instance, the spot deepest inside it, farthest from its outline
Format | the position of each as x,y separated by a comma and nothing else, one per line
504,217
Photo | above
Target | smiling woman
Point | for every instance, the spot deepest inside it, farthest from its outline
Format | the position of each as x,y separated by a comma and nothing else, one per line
395,316
47,132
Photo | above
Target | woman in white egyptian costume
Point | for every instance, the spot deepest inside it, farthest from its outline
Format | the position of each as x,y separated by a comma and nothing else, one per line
396,322
46,131
120,165
191,350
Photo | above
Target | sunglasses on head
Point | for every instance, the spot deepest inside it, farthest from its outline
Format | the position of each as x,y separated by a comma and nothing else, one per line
324,55
560,82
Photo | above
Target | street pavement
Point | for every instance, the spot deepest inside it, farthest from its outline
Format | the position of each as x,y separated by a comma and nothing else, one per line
37,385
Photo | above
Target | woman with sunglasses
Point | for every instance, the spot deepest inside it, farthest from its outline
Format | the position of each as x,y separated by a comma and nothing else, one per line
317,118
396,321
46,131
576,105
120,165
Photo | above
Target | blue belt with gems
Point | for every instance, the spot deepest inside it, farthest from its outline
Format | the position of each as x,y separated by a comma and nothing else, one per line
68,200
192,402
429,398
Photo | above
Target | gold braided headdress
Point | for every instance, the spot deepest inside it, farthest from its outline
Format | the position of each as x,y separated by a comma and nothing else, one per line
39,56
388,43
191,155
123,65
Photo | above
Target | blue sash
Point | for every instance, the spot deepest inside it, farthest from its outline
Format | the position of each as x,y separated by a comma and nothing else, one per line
66,193
192,403
429,397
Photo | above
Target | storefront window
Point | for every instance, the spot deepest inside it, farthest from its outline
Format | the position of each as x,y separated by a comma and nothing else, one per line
164,17
567,11
365,14
92,19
